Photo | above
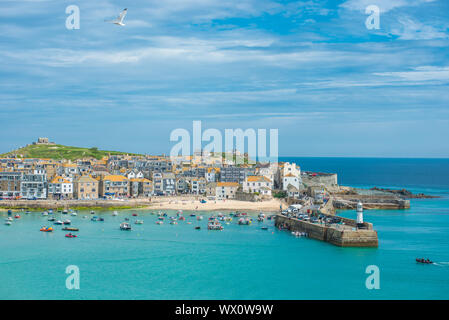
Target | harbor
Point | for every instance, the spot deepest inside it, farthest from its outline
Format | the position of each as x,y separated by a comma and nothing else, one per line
339,231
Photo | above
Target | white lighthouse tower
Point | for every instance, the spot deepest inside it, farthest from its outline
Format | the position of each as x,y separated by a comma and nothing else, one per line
359,212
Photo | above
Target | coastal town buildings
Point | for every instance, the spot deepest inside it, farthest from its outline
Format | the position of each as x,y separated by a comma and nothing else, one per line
213,175
114,186
85,188
226,190
60,188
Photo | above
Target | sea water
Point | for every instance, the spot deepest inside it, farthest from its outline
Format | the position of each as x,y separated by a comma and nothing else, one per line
241,262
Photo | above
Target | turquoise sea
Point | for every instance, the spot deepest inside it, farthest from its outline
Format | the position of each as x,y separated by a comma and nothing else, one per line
241,262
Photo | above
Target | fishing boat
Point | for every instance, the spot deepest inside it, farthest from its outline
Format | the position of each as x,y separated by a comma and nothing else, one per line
73,213
125,226
45,213
159,222
92,212
59,222
52,219
214,225
197,228
138,222
199,218
70,235
65,211
161,218
425,261
228,219
115,213
8,223
9,219
50,211
134,214
94,218
46,229
27,212
192,215
67,221
264,228
70,229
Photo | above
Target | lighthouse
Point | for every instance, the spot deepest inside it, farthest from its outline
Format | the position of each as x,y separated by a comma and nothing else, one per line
359,213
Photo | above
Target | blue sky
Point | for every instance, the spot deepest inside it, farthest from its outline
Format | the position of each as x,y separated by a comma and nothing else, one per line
309,68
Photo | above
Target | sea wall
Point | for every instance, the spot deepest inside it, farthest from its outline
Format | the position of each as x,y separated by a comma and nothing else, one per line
370,202
53,204
342,238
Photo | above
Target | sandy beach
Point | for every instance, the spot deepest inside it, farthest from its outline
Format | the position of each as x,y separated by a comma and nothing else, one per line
154,203
176,203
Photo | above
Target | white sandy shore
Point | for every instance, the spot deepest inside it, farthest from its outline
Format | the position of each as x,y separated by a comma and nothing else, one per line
231,205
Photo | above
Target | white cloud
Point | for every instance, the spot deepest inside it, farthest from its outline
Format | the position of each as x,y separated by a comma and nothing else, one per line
414,30
424,73
384,5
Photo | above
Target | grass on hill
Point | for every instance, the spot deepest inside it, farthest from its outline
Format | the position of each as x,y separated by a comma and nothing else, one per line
59,152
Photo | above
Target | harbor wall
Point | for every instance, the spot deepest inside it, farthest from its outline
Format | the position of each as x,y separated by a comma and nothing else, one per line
341,238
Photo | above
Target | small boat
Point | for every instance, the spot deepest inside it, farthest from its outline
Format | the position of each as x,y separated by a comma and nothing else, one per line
67,221
46,229
69,235
138,222
73,213
9,212
126,219
161,218
264,228
8,223
59,222
199,218
192,215
9,219
70,229
159,222
425,261
94,218
27,212
134,214
115,213
125,226
84,217
260,219
173,222
50,211
65,211
52,219
198,228
244,221
214,225
45,213
92,212
182,218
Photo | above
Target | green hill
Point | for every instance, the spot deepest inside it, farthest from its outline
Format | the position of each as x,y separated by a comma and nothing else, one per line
58,151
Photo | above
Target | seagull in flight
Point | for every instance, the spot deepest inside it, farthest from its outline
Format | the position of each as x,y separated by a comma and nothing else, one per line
119,20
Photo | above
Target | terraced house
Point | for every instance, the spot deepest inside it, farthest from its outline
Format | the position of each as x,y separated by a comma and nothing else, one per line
60,188
10,185
115,186
141,187
258,184
85,188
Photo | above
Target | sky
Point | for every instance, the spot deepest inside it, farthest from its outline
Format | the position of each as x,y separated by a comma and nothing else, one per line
311,69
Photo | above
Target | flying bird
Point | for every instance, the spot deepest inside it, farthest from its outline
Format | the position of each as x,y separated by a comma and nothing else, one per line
119,20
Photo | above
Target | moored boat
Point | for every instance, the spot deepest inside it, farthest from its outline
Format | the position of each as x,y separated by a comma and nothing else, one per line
214,225
70,229
138,222
59,222
70,235
425,261
46,229
125,226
